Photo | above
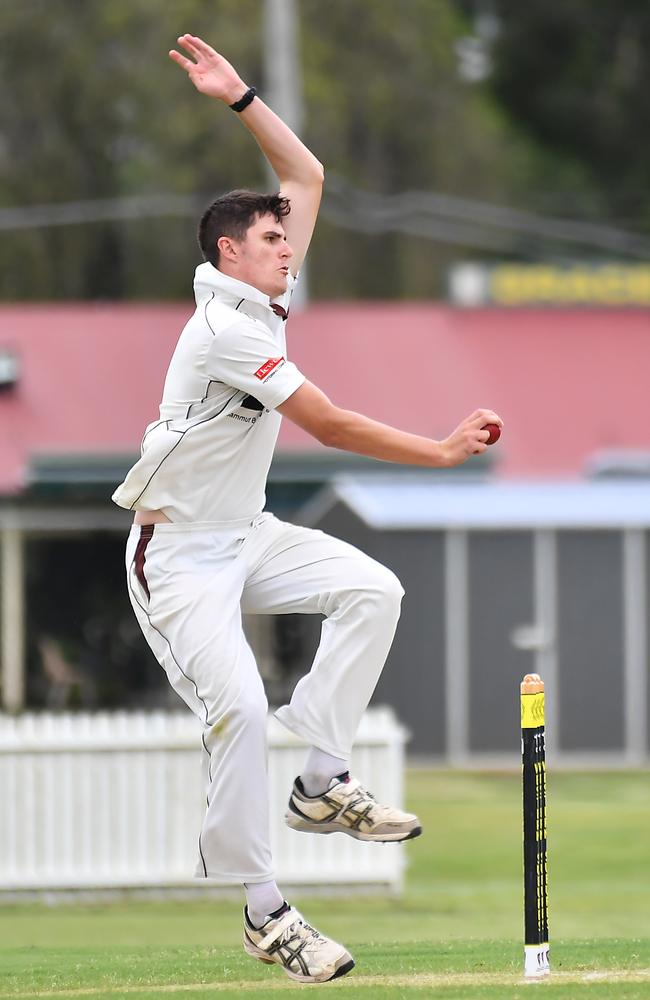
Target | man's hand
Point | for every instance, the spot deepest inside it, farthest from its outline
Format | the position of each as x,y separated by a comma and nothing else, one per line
469,438
210,73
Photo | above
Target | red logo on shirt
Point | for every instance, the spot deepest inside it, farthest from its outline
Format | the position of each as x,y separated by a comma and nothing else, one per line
267,368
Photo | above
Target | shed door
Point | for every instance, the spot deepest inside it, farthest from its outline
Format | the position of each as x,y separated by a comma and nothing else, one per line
590,640
500,604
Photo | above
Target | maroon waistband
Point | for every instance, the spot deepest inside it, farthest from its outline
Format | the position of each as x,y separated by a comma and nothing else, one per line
146,534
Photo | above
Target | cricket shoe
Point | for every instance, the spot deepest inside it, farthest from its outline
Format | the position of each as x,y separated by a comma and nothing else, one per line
287,939
346,807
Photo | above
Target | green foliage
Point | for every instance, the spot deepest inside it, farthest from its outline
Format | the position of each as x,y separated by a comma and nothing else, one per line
94,109
388,111
575,77
98,110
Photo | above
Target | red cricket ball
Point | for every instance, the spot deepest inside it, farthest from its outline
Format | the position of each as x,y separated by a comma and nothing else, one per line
495,433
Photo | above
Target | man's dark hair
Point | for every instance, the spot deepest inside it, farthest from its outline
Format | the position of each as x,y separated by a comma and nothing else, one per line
233,214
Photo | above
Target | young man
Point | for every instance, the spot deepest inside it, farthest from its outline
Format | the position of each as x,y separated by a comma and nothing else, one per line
201,549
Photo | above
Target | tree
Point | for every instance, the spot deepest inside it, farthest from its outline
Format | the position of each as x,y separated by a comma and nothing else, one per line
575,78
94,109
389,111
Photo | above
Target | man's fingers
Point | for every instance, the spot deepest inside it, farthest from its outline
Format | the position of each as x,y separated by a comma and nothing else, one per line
490,417
201,46
186,64
482,417
187,41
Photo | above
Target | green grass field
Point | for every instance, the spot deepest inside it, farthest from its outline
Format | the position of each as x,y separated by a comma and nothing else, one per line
455,933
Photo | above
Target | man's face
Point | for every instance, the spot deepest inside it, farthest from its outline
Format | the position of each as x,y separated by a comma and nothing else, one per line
263,257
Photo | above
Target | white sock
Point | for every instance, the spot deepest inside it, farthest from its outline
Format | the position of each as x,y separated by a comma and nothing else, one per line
262,899
319,769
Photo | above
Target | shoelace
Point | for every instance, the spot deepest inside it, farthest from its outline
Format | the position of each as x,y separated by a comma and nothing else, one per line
355,797
291,933
360,792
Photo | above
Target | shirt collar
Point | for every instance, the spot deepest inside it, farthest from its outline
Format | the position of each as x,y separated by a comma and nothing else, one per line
209,279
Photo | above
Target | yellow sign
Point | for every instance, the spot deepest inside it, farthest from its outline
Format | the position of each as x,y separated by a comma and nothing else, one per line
577,285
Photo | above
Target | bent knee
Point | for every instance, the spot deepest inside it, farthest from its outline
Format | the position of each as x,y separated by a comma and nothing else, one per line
394,591
248,709
385,590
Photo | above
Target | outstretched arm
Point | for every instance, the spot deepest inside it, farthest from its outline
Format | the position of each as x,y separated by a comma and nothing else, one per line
299,172
315,413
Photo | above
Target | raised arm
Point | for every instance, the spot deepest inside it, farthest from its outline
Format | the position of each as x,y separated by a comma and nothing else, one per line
299,172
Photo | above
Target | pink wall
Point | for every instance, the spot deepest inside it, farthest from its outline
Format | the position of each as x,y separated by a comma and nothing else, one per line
567,383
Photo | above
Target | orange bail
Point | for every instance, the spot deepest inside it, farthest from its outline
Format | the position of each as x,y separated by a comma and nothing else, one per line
532,684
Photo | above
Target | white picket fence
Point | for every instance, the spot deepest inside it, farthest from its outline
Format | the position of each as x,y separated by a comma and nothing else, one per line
115,800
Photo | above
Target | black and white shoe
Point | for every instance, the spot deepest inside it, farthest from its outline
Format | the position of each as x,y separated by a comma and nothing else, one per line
346,807
287,939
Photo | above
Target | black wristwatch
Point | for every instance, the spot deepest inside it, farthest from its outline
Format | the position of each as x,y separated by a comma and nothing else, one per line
244,101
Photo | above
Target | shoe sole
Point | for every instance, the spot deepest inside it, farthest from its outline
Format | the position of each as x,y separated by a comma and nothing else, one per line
341,970
304,826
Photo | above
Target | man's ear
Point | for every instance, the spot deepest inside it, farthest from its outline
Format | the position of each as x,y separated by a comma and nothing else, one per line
228,248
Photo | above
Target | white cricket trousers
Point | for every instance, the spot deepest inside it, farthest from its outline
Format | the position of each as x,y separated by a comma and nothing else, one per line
189,584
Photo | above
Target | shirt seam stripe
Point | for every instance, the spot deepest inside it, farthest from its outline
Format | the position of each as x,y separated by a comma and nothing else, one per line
182,435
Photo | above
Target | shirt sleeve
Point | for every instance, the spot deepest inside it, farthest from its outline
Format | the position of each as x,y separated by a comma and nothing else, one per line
246,357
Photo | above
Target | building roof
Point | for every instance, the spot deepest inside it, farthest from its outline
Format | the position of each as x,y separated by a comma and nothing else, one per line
404,503
568,383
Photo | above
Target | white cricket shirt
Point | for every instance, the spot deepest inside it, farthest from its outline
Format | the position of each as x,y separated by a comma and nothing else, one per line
208,456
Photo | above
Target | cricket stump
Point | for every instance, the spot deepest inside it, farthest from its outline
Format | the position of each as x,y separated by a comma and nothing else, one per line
533,757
